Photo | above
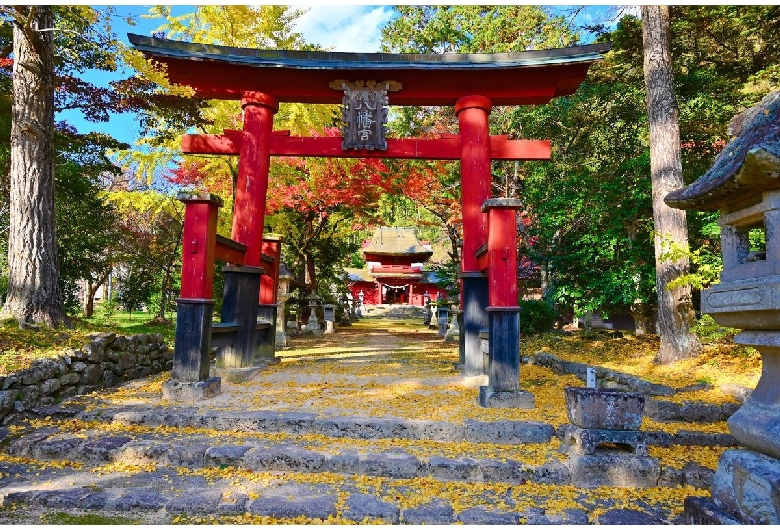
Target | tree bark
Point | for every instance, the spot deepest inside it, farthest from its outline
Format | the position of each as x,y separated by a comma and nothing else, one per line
33,292
675,308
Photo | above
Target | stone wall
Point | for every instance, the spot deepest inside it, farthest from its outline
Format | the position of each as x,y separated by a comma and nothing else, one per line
106,361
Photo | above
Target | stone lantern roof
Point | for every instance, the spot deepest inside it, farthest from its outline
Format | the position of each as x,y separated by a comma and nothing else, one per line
747,167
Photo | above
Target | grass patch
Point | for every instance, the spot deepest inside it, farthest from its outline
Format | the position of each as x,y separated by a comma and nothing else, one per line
19,347
721,362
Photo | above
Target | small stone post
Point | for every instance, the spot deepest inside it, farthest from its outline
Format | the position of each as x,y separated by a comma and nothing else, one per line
329,315
443,318
453,332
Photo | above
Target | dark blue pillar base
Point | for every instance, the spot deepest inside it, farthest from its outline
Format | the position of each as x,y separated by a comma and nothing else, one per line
504,348
266,337
239,306
193,339
475,301
504,362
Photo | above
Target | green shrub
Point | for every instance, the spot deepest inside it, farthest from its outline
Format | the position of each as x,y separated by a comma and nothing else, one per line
536,316
710,332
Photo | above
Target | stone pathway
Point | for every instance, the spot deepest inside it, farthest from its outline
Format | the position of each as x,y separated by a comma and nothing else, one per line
302,442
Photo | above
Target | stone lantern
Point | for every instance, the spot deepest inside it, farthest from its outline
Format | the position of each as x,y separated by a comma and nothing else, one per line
313,324
359,310
744,186
285,279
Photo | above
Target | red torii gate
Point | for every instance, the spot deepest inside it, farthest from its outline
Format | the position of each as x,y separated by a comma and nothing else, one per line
471,83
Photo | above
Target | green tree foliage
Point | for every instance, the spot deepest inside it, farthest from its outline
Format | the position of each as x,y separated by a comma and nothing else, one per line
536,316
590,204
150,247
461,29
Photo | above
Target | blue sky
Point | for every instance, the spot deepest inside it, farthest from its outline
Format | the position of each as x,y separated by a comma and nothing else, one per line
343,28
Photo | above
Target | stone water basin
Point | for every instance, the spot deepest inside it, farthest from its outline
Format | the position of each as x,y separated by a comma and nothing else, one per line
601,408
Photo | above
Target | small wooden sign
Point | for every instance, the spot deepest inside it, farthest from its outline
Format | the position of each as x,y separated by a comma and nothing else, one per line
364,112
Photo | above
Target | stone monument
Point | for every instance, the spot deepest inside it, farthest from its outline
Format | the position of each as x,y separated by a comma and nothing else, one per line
453,331
443,319
744,186
329,315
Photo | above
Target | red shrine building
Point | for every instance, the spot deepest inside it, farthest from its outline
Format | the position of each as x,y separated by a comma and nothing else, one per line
394,270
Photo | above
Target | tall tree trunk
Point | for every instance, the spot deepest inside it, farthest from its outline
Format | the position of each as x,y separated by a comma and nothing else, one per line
675,308
91,291
33,292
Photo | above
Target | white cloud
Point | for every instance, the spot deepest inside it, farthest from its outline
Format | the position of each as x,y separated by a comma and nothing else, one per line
344,28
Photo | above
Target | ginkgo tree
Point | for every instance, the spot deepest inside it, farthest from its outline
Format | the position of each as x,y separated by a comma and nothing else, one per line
313,203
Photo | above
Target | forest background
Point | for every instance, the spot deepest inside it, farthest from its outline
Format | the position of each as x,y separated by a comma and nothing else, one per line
587,228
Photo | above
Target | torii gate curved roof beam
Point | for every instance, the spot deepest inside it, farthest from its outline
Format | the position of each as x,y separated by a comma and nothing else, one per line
518,78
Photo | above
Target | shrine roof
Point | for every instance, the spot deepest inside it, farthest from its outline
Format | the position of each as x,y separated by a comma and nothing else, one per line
747,167
516,78
394,241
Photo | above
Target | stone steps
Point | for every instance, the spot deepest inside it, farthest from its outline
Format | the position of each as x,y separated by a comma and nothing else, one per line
165,494
199,451
163,475
163,461
509,432
394,311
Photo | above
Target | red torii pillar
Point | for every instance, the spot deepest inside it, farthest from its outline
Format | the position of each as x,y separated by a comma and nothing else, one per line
267,308
472,113
499,258
242,284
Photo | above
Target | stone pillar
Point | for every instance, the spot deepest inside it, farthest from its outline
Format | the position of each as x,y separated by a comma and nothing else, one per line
239,306
281,325
453,332
472,113
427,313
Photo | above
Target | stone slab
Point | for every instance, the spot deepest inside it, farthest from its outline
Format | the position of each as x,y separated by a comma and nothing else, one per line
587,441
627,517
140,499
198,501
437,511
361,507
508,432
314,506
482,516
702,511
238,375
517,399
174,390
621,470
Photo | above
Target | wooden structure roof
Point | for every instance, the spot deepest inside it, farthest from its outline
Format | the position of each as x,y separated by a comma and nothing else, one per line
520,78
394,241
